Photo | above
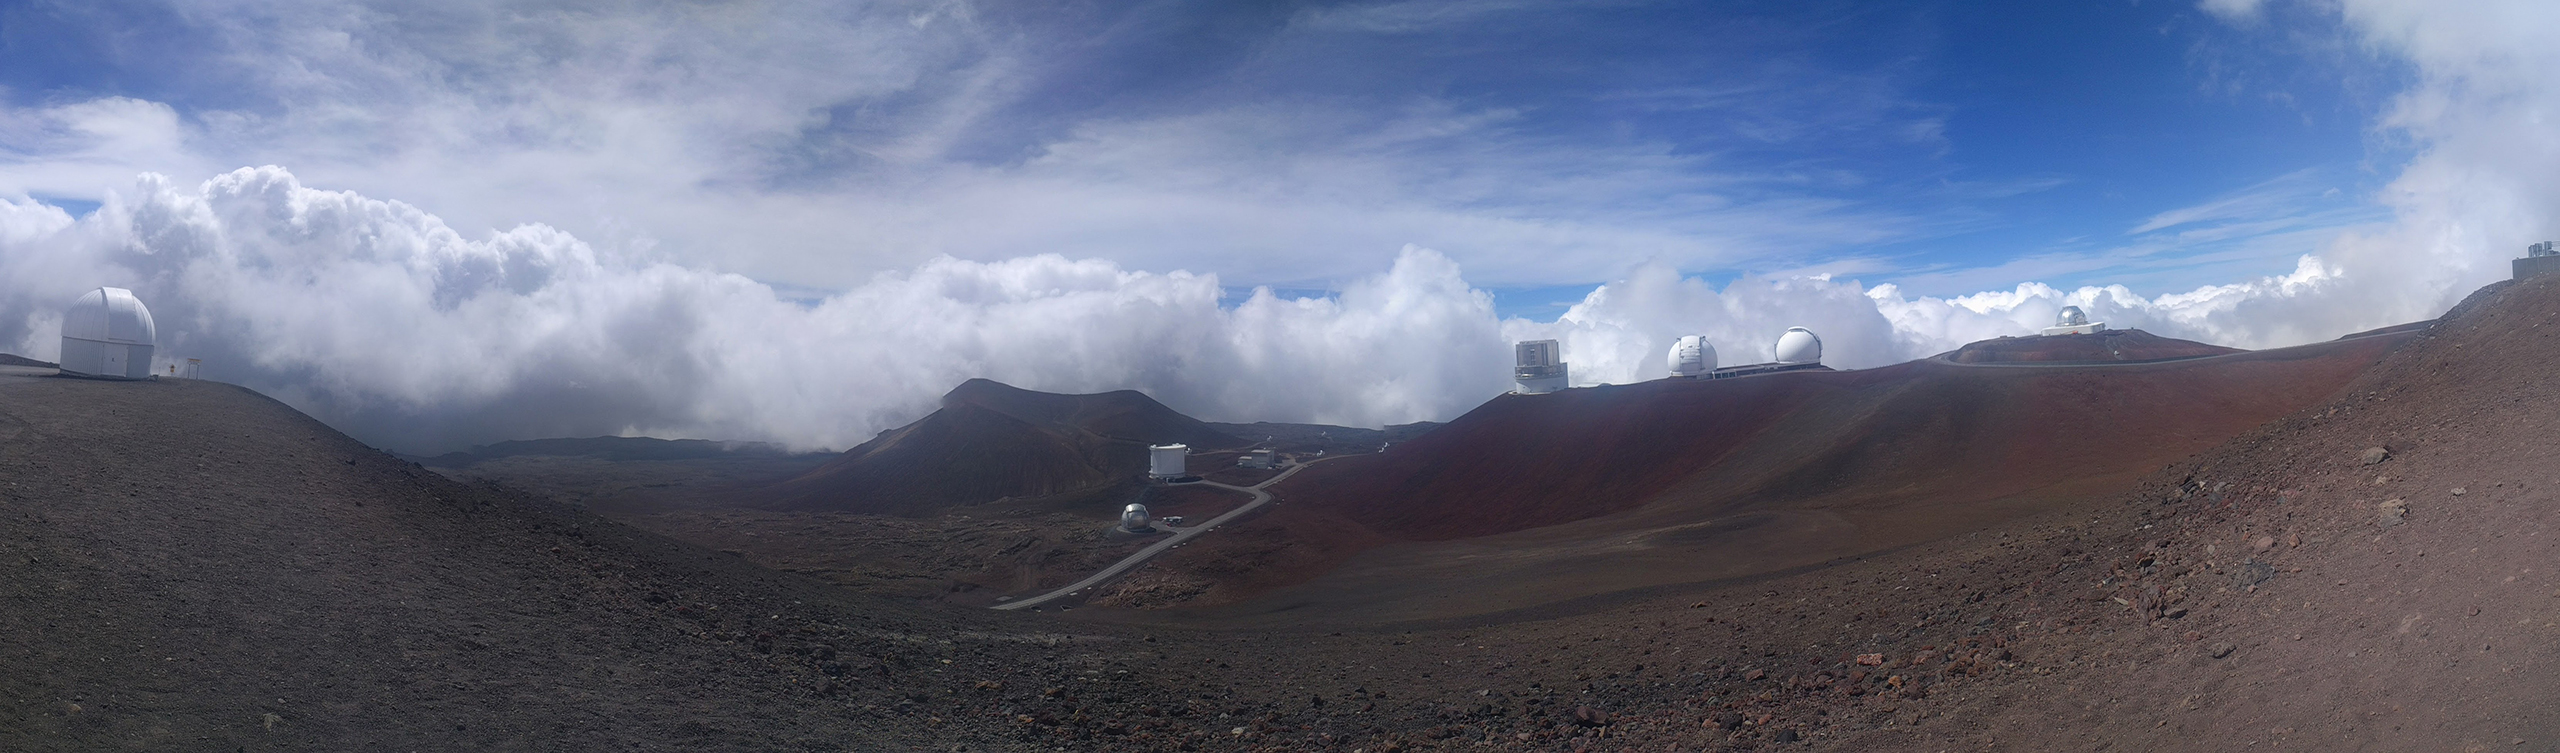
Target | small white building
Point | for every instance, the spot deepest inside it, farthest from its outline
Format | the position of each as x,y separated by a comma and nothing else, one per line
2072,321
1168,461
1692,356
1538,367
1260,460
108,334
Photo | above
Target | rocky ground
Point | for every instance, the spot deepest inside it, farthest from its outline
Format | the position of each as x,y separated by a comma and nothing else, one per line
2367,574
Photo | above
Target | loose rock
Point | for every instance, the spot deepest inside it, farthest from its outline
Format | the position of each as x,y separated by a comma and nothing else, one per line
2374,455
1590,717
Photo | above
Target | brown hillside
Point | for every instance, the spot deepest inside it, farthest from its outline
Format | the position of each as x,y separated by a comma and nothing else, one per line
191,566
1562,496
990,441
1914,429
2115,345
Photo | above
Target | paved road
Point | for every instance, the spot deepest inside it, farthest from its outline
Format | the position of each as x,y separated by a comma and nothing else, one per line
1180,535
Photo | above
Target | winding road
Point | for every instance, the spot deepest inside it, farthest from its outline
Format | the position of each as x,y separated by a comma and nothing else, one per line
1180,535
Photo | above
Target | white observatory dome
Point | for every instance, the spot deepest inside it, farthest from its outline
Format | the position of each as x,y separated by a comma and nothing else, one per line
1692,355
108,333
2071,317
1135,518
1799,345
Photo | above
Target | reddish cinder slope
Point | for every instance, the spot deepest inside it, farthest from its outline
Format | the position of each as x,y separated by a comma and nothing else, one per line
1537,499
1525,461
1918,429
991,441
2115,345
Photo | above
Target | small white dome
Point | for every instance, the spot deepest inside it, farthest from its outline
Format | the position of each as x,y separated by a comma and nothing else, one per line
110,315
1799,345
1692,355
108,333
2071,317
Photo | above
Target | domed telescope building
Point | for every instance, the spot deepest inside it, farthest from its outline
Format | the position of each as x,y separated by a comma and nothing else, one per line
1692,356
2072,321
1135,519
108,334
1798,350
1799,346
1538,367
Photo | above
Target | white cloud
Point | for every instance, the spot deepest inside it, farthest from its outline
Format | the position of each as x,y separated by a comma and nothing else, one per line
380,319
641,132
2235,11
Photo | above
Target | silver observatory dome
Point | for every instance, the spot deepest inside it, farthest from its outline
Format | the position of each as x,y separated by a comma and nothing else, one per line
2071,316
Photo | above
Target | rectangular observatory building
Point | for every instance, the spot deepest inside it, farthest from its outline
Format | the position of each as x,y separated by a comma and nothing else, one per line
1538,367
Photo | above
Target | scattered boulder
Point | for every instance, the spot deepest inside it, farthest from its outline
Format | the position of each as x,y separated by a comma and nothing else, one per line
1590,717
2391,512
2374,455
2219,650
2252,573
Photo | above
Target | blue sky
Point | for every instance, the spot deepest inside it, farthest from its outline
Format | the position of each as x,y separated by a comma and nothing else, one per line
1949,147
473,220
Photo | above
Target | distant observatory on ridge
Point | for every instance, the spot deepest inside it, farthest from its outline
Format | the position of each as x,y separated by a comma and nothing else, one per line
108,334
1799,346
1539,367
2539,259
1692,357
2072,321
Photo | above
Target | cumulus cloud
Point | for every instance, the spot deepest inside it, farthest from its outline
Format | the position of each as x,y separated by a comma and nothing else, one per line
411,331
378,317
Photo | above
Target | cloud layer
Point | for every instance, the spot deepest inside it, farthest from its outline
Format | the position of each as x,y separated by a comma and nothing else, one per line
385,320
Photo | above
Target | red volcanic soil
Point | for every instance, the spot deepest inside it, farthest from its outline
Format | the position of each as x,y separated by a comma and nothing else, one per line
990,441
1525,461
1916,429
1592,490
2115,345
